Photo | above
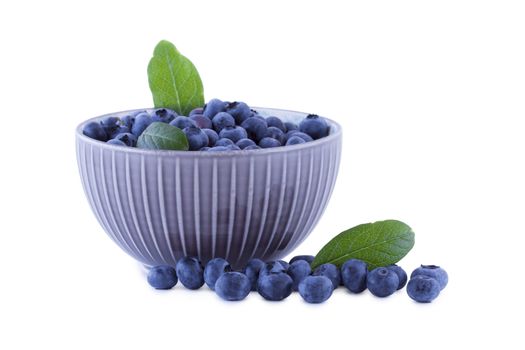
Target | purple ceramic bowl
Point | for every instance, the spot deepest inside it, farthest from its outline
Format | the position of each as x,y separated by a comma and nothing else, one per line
159,206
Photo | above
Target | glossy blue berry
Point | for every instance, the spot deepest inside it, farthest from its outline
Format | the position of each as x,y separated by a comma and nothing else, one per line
329,270
290,126
316,289
272,267
224,142
127,121
252,269
255,128
201,121
182,122
116,142
294,140
307,258
268,142
251,147
276,122
284,264
212,136
95,131
142,121
314,126
233,147
239,111
110,124
121,129
196,138
298,271
233,286
163,115
274,286
190,272
128,138
194,111
162,277
401,275
353,274
276,133
433,271
222,120
213,107
243,143
295,133
214,269
234,133
423,288
382,282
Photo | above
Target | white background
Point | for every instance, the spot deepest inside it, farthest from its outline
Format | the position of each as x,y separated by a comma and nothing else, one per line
431,98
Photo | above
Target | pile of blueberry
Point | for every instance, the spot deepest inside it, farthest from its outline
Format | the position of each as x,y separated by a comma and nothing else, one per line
276,280
219,126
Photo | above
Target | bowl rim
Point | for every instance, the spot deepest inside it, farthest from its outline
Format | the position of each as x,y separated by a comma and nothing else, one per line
335,133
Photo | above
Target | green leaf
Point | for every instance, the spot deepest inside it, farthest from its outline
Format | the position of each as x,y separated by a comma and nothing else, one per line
174,80
378,244
160,135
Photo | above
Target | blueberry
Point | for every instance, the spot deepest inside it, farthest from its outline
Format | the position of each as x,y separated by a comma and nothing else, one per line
194,111
218,149
252,271
201,121
182,122
272,268
251,147
163,115
214,269
116,142
196,138
239,111
142,121
274,286
316,289
382,282
276,133
433,271
127,121
294,140
302,135
314,126
290,126
212,136
284,264
110,124
190,272
331,271
213,107
119,130
255,128
268,142
276,122
401,275
233,286
224,142
353,274
128,139
234,133
298,271
423,288
162,277
243,143
222,120
233,148
307,258
95,131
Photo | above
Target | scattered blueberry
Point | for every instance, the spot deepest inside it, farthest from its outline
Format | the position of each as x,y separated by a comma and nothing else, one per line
329,270
314,126
298,271
433,271
423,288
234,133
315,289
224,142
116,142
290,126
272,267
222,120
212,136
274,286
276,122
196,138
142,121
307,258
182,122
190,272
268,142
401,275
162,277
353,274
382,282
128,139
255,128
214,269
239,111
294,140
233,286
95,131
252,271
243,143
213,107
201,121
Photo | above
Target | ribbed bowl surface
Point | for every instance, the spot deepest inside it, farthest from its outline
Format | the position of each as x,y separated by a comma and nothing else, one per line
161,205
